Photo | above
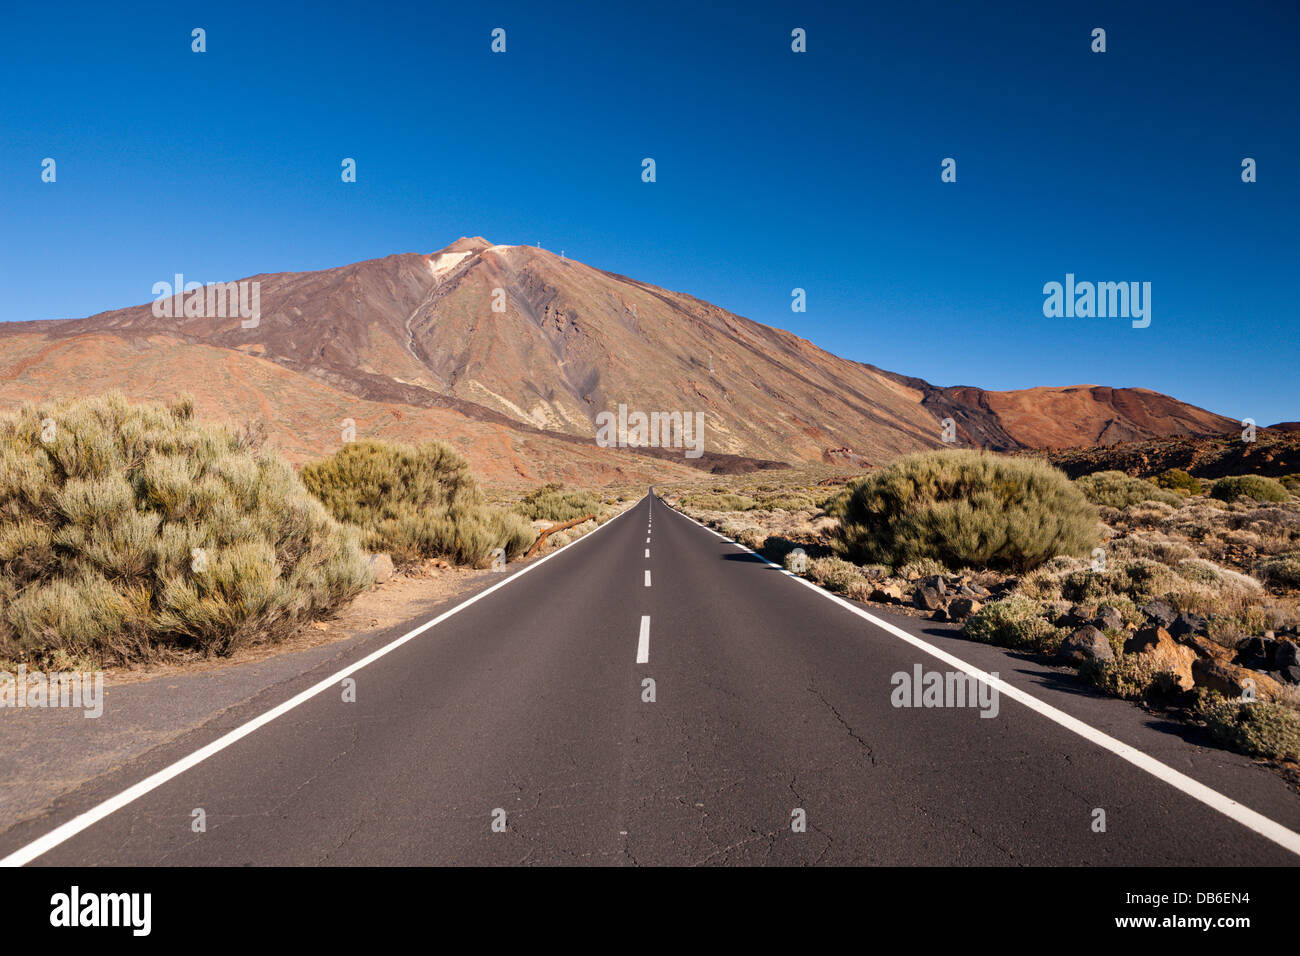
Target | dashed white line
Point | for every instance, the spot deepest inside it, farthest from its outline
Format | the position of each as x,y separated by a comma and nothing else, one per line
647,552
89,818
643,642
647,577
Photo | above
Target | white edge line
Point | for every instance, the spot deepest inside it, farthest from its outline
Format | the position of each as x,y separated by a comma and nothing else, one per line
1250,819
643,641
89,818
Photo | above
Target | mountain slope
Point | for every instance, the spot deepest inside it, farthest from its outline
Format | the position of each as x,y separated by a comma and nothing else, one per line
420,332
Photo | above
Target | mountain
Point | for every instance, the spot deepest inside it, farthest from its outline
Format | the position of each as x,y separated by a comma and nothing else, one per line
410,346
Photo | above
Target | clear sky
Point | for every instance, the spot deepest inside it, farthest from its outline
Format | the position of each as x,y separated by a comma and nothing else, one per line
775,170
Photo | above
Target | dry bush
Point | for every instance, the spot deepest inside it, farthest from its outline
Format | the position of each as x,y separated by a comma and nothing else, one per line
1118,490
964,508
415,502
126,530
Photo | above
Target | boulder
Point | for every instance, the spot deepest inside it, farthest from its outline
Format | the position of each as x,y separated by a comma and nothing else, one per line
1158,648
1286,655
1109,617
1204,647
1086,643
1146,638
381,566
937,582
1290,674
926,598
961,608
1158,613
887,593
1189,624
1230,679
1076,617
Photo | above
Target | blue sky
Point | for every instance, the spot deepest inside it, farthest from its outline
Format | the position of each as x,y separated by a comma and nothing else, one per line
775,170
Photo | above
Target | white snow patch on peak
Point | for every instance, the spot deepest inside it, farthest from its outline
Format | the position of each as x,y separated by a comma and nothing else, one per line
446,261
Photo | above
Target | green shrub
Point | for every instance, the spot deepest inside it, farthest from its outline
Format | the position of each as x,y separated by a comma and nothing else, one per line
415,501
128,530
1291,483
1258,728
1118,490
1015,622
1255,487
964,509
551,502
1175,479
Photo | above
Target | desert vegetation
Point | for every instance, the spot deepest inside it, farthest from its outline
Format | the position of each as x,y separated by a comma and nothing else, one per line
132,531
1176,591
414,502
963,509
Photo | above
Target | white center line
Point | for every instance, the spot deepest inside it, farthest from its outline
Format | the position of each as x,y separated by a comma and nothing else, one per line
647,552
647,540
643,642
647,577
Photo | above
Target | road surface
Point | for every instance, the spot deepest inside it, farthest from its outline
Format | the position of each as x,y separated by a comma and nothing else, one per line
516,731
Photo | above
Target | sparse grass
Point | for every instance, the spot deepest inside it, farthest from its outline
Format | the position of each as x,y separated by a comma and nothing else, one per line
130,531
415,502
963,508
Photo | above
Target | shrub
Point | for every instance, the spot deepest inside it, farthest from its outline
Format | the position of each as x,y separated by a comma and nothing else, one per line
551,502
1282,570
718,502
1175,479
1015,622
1255,487
1258,728
834,574
1118,490
964,509
128,530
415,501
790,501
1131,676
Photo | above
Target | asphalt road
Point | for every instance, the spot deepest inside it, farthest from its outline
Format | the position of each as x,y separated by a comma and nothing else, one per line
773,704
